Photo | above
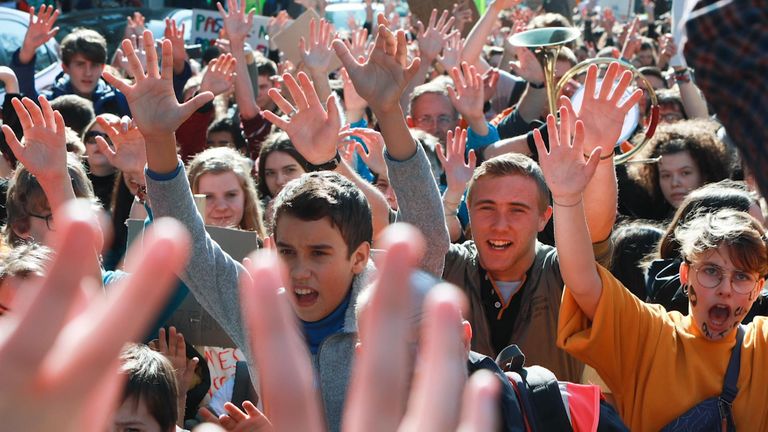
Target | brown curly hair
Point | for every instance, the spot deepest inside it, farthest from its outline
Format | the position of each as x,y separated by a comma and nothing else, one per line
698,138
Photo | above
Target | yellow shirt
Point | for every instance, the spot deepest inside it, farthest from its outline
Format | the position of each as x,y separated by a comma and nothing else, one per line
657,364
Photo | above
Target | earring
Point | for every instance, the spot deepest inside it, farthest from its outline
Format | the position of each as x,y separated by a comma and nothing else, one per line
685,290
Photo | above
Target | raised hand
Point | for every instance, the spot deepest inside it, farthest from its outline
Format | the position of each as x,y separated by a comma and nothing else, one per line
374,156
383,77
317,55
134,25
151,98
353,103
121,61
236,23
219,75
65,308
174,348
457,171
467,95
39,31
249,419
564,166
313,129
43,149
129,153
526,66
630,40
452,51
276,24
667,49
432,38
602,110
359,45
176,35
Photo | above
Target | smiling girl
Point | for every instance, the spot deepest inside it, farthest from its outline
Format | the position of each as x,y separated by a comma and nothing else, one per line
223,176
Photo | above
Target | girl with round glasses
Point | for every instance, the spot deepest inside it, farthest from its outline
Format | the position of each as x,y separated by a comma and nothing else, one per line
667,371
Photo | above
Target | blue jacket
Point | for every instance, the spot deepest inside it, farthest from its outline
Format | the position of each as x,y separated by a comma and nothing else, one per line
106,99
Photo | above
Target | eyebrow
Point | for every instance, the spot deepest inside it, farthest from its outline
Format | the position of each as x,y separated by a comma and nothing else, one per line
490,201
320,246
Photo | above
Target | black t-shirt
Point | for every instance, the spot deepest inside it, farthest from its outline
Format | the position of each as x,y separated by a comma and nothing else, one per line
501,321
102,187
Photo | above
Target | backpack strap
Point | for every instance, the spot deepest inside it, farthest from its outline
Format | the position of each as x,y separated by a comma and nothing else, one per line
730,384
544,392
243,389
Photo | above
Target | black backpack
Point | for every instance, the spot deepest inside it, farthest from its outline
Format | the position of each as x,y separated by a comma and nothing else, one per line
544,401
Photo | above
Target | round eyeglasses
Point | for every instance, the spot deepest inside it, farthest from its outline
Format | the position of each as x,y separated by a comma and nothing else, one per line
711,276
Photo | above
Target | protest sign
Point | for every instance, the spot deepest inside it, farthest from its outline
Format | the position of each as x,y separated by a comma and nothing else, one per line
207,24
197,326
288,39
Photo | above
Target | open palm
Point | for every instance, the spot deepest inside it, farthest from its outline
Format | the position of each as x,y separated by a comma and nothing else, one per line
313,130
43,149
383,77
129,153
566,171
603,113
152,99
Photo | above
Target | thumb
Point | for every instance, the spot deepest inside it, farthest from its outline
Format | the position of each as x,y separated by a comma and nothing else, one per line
104,148
343,53
189,107
592,162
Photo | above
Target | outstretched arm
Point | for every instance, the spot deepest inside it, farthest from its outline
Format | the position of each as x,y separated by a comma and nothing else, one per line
602,112
314,131
237,24
567,174
457,175
210,274
381,81
476,40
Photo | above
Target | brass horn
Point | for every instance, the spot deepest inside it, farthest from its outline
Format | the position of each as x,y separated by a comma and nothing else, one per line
546,44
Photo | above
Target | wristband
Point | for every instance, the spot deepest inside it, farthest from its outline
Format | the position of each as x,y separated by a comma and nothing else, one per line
602,158
327,166
567,205
682,75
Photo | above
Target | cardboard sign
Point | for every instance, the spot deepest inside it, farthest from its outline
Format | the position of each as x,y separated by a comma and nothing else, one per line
288,39
198,327
207,24
422,9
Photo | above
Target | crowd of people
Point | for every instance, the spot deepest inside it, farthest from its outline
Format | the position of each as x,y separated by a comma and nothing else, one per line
417,210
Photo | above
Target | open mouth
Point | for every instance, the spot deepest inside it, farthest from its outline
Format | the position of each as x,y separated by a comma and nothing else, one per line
499,244
305,296
719,315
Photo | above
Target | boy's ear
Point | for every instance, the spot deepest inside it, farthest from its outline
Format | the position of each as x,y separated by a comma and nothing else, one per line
684,269
409,121
544,218
21,230
360,257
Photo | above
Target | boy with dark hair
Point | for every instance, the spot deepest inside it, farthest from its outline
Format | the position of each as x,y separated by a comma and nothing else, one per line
323,231
77,111
149,397
83,56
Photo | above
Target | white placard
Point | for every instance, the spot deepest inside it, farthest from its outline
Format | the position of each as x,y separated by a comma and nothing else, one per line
207,24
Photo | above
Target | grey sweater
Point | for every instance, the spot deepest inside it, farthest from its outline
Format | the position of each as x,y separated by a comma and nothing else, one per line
212,275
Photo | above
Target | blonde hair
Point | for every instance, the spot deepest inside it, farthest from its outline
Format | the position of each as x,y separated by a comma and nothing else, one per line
224,159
